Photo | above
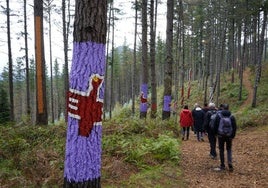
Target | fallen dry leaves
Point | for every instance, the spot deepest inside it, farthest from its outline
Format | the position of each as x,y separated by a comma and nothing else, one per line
250,160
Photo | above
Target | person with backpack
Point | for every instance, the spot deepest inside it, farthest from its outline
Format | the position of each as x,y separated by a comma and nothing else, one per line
186,121
209,122
225,128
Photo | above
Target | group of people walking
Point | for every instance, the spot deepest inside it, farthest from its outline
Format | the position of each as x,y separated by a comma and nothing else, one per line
217,123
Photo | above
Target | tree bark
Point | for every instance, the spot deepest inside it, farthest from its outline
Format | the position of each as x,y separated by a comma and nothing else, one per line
153,18
112,67
28,107
144,86
65,28
134,69
10,66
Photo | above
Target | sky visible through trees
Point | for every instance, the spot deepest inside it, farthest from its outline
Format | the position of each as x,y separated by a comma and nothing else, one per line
124,30
17,28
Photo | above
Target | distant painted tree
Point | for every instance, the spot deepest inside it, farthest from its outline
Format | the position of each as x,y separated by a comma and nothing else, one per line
82,166
134,67
153,18
169,61
145,75
41,105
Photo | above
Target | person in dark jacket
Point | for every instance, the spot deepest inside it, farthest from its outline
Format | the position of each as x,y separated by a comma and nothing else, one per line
211,134
186,121
198,116
225,139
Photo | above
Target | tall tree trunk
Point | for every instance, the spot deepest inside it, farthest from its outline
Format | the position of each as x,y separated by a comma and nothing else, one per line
177,56
28,107
153,18
239,47
49,6
144,86
212,65
259,58
254,46
169,61
221,62
105,108
10,65
207,63
222,45
133,90
181,50
65,28
207,57
112,68
265,45
243,59
41,104
232,42
86,94
57,90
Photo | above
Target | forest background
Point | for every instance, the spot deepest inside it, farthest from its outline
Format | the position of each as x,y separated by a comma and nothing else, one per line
209,38
21,14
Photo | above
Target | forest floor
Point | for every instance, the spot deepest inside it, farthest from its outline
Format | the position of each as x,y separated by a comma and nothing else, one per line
250,158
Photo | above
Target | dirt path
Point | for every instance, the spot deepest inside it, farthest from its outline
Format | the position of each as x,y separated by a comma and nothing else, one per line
247,84
250,158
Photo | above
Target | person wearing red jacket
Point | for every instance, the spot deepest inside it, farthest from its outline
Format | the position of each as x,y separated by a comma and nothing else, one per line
186,121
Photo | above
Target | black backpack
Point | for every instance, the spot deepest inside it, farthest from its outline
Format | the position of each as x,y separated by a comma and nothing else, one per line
225,126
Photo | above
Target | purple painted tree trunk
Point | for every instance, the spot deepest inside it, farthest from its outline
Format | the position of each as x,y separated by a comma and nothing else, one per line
82,167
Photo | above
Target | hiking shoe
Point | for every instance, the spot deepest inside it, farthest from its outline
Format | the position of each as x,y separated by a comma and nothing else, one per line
220,168
212,156
231,168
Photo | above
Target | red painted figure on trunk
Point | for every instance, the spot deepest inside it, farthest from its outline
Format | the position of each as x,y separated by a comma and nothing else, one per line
86,106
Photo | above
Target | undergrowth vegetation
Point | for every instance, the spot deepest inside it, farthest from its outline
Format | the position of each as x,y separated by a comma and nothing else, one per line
31,155
252,117
136,152
142,144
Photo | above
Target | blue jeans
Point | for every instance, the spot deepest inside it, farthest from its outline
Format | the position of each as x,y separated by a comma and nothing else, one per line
228,141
